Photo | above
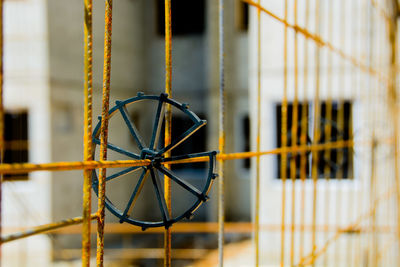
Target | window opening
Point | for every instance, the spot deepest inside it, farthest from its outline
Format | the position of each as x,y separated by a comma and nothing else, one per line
16,147
334,163
188,17
242,16
245,128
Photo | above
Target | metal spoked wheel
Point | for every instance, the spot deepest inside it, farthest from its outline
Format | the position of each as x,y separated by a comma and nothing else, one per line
155,151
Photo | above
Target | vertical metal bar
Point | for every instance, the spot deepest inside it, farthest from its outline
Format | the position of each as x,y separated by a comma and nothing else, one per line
221,139
363,83
304,134
373,202
168,120
328,127
284,137
314,171
340,120
104,130
1,115
371,45
352,198
87,140
294,130
394,106
257,186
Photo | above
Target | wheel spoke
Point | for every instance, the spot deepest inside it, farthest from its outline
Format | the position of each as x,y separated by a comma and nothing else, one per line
182,137
182,183
131,126
122,173
160,196
157,124
118,149
135,194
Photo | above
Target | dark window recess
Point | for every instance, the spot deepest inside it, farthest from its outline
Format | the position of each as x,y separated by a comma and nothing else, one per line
333,163
197,142
290,156
16,142
243,16
187,17
336,163
246,140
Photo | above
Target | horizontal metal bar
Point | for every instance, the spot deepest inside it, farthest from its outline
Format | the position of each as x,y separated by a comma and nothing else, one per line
80,165
138,253
212,227
44,228
71,165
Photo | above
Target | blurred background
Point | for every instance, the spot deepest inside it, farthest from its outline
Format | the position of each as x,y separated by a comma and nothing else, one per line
325,74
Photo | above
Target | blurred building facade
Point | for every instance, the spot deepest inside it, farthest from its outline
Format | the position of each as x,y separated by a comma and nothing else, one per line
44,78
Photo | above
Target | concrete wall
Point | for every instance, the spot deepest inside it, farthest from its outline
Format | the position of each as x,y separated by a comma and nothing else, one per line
27,203
337,198
66,81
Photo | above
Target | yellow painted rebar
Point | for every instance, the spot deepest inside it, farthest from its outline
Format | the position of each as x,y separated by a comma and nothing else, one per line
363,18
316,131
104,131
283,137
212,227
352,200
373,203
68,166
393,98
304,134
80,165
294,130
257,186
328,127
168,121
340,117
46,228
87,136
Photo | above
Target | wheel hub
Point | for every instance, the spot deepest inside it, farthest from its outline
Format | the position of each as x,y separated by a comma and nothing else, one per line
152,155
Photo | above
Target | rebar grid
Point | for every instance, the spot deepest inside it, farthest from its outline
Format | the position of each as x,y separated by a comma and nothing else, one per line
384,79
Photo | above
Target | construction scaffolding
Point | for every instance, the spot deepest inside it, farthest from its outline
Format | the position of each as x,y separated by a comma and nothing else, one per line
329,68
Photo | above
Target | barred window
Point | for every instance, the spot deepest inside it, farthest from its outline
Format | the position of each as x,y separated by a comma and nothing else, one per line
333,126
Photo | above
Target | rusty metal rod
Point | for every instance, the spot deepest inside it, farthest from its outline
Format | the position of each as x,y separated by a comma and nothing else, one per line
87,136
80,165
104,131
45,228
